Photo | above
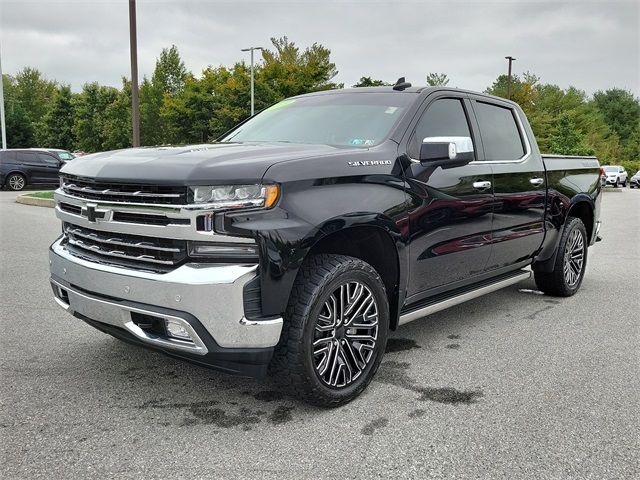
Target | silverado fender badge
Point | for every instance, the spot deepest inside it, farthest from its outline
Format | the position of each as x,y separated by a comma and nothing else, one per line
368,163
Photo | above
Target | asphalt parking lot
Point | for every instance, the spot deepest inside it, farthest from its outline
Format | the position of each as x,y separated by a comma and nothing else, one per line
511,385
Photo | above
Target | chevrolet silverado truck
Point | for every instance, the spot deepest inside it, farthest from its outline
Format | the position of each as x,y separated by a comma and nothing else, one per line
296,242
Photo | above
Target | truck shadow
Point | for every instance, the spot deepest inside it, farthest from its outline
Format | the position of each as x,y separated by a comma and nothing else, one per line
149,382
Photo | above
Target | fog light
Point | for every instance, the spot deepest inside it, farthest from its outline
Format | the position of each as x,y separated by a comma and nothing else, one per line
177,330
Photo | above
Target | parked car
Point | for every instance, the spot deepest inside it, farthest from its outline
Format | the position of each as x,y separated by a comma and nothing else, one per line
635,181
615,175
296,243
22,167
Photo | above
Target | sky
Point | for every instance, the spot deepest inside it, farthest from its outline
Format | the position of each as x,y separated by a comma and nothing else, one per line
592,45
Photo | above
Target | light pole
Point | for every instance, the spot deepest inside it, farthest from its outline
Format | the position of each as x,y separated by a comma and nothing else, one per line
133,42
511,59
251,49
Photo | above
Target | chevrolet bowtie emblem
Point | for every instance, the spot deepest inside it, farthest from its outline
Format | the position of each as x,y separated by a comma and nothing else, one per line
93,214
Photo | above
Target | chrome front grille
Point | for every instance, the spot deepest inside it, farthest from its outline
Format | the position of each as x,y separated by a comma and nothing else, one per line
120,192
156,254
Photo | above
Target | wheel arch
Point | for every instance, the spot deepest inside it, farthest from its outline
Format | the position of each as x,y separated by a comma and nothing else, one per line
582,207
372,244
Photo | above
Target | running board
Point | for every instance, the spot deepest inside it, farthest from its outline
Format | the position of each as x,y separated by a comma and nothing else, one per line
463,297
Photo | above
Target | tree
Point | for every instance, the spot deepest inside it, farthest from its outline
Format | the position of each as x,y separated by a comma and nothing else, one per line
34,92
90,110
369,82
170,73
621,111
568,140
18,126
287,71
56,128
189,114
437,80
167,82
116,129
151,101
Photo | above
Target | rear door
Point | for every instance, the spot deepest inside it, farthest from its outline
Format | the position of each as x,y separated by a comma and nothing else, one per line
518,182
450,211
50,167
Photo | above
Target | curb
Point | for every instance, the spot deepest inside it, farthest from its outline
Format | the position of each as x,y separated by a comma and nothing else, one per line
613,190
38,202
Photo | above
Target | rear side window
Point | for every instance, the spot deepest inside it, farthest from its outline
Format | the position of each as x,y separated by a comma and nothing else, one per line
500,134
444,118
27,157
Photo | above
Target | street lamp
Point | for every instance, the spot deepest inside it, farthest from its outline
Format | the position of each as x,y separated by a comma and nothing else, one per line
135,104
511,59
251,49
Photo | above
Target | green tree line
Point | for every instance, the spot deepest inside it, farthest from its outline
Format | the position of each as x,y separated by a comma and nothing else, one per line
179,107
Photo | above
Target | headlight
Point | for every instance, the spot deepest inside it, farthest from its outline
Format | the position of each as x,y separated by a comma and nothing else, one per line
235,196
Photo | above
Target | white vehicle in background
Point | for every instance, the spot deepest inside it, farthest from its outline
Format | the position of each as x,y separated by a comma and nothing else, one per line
615,175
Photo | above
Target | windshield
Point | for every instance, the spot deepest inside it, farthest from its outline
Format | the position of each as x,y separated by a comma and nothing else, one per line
611,169
345,119
65,156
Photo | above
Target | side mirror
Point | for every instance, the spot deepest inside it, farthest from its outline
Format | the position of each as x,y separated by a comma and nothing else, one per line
446,151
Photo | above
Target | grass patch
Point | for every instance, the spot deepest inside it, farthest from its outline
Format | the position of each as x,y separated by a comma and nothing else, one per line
40,194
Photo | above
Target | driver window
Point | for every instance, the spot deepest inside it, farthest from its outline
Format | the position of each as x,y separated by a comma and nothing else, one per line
444,118
48,159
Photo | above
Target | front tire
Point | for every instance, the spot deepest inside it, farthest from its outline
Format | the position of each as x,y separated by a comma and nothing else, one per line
16,182
335,331
571,262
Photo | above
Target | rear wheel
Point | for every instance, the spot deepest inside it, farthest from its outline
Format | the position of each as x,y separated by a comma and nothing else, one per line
570,264
16,181
335,331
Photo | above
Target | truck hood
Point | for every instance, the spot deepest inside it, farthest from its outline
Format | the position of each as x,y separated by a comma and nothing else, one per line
191,165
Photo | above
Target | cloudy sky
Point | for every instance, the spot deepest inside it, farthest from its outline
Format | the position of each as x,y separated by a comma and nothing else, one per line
590,44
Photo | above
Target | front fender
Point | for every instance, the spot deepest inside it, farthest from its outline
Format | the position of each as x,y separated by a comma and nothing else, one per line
307,213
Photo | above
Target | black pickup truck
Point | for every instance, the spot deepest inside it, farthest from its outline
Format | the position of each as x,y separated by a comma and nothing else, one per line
295,243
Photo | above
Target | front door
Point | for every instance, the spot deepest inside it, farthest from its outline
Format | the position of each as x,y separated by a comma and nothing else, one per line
450,216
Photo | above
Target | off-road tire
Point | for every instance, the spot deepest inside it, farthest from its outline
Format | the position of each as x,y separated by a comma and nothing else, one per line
555,282
293,365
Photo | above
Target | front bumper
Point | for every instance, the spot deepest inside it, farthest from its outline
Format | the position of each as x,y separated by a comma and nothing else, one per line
206,298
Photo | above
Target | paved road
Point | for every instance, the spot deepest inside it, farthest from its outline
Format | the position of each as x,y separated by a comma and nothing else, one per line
512,385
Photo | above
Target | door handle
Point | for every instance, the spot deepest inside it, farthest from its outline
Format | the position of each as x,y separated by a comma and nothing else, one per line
481,185
536,182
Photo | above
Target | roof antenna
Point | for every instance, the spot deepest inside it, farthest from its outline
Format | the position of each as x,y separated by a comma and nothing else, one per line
401,84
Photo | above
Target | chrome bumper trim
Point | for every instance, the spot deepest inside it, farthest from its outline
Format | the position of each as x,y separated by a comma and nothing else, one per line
213,293
119,316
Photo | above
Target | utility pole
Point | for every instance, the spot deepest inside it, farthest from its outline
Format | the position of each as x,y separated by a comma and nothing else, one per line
2,124
251,49
135,106
511,59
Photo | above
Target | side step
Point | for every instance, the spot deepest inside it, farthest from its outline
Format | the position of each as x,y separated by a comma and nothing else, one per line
442,304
